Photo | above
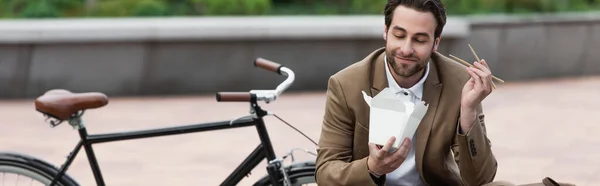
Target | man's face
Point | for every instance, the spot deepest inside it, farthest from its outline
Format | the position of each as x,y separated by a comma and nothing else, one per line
410,40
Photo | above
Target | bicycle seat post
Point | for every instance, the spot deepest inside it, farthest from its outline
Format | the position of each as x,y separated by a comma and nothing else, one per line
75,121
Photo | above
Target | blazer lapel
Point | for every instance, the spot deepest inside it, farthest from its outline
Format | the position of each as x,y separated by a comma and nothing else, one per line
378,78
431,95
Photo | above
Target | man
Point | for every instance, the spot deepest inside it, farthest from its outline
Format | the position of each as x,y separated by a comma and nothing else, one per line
450,146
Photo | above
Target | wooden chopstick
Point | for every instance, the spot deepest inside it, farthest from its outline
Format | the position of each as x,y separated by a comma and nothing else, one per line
475,54
469,65
461,61
478,60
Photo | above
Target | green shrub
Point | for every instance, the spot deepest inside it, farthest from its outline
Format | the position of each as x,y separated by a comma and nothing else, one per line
463,6
127,8
234,7
514,6
113,8
183,7
39,9
580,5
367,6
542,6
150,8
121,8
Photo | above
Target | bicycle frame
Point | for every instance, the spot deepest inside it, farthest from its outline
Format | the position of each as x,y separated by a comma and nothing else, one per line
262,151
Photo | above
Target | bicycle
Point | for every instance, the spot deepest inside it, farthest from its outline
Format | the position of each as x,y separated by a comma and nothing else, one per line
59,105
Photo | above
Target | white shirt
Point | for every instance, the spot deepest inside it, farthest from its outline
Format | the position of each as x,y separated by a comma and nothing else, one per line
407,173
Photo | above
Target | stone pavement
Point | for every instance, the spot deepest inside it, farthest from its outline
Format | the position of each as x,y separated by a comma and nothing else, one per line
538,129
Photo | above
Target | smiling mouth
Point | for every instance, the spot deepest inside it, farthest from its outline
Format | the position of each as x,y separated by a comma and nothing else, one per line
404,60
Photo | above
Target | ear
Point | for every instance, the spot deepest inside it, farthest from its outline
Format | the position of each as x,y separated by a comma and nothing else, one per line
436,43
385,32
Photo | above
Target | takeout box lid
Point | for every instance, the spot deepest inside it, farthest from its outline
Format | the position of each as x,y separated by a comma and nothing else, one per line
386,99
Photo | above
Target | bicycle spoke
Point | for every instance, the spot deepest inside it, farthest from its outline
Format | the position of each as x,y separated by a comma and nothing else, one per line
17,179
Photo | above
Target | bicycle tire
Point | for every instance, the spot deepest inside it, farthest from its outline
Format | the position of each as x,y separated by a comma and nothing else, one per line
298,174
33,168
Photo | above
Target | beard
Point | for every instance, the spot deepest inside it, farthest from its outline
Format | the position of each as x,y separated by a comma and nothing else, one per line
406,70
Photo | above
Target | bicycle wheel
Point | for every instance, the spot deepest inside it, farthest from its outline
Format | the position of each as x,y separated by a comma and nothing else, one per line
18,169
298,174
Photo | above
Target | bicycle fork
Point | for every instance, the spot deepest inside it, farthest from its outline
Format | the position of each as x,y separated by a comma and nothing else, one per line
274,168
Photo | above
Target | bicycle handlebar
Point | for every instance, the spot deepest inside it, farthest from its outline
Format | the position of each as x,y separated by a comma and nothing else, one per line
235,96
268,65
261,95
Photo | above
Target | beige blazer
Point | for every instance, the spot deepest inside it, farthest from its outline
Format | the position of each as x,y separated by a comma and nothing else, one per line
443,157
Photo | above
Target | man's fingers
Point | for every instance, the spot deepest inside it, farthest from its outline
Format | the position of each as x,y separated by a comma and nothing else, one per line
485,70
407,149
373,147
480,72
486,78
374,150
475,77
489,70
388,145
471,81
404,147
482,67
485,64
402,152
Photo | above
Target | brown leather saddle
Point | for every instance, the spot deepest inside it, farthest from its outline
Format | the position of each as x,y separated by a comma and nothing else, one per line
62,104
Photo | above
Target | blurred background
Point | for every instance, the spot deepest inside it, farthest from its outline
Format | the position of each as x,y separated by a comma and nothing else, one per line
166,47
127,8
162,61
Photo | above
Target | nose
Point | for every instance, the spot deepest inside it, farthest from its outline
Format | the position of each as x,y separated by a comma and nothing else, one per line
407,49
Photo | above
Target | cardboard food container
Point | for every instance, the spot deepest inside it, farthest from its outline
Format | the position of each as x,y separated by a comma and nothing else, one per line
392,115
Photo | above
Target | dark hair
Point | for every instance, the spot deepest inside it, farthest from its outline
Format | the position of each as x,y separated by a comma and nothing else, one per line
434,6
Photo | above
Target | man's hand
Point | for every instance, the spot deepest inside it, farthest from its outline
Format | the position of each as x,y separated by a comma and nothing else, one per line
382,162
473,93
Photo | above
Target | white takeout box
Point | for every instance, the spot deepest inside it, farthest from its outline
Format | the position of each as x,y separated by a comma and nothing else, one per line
393,115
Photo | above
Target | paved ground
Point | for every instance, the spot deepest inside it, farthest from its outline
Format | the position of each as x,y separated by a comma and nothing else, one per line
538,129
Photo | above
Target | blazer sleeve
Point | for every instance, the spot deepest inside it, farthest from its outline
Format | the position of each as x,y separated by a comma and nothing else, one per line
473,154
334,154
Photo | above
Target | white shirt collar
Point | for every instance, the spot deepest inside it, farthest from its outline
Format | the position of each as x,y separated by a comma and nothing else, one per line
416,89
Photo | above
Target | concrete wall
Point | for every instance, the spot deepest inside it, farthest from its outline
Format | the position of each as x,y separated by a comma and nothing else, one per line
535,47
205,55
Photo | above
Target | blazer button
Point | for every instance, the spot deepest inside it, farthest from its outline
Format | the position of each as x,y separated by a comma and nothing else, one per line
472,147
